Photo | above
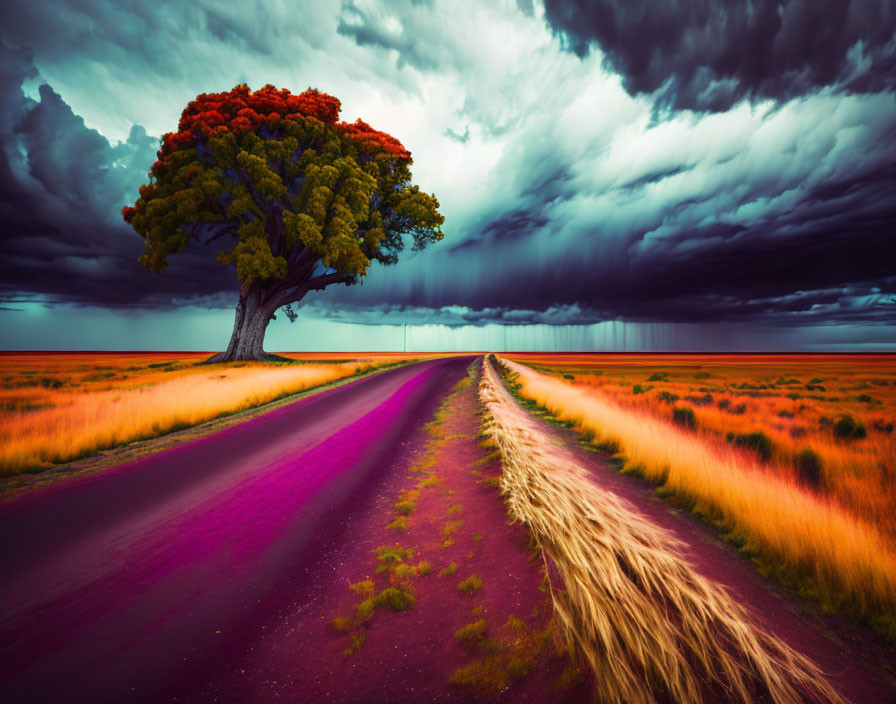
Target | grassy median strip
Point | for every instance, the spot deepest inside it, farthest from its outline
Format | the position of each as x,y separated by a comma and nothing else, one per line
631,606
810,543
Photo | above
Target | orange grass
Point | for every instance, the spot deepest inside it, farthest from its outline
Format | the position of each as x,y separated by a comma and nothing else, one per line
809,540
859,474
630,604
58,407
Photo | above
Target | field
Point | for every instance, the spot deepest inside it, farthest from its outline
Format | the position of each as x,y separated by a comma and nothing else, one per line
57,407
456,529
643,618
793,456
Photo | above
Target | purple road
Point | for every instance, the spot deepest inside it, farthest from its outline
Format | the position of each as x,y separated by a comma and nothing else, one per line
138,584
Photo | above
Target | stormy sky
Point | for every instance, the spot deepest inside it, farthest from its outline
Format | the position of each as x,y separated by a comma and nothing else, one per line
614,174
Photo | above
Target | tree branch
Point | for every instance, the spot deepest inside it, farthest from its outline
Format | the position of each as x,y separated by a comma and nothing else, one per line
321,282
295,294
222,229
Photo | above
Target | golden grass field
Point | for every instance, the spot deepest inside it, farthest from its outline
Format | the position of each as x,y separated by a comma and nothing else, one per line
828,534
630,605
57,407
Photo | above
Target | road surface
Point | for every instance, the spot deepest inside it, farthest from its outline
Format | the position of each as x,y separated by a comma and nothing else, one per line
130,585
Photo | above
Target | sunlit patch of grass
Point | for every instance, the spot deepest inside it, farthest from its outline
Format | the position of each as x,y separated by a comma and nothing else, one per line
396,562
630,605
809,542
472,633
503,660
405,508
448,531
397,598
570,678
341,625
365,609
471,584
359,637
365,588
399,525
490,457
404,571
94,407
769,394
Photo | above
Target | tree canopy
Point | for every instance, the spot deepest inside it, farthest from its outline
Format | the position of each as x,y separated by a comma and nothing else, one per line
296,199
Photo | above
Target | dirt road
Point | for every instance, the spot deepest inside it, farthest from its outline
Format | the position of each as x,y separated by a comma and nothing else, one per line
129,585
210,572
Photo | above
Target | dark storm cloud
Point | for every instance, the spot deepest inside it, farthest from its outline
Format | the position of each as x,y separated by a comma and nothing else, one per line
62,187
796,227
585,204
707,55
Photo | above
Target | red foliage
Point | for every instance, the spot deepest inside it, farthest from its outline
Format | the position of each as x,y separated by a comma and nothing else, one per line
128,212
374,139
242,110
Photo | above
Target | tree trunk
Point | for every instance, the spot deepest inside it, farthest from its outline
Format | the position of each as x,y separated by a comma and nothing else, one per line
249,326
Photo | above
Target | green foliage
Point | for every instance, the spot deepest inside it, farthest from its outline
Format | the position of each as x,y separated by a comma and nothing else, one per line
483,678
658,376
471,584
404,571
684,416
808,467
365,588
570,678
405,508
516,624
883,426
448,531
358,639
666,397
399,525
397,598
757,442
450,569
281,192
848,427
472,633
341,624
389,556
365,610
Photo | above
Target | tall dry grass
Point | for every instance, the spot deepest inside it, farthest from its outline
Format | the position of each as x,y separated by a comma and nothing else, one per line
794,400
841,560
73,421
630,604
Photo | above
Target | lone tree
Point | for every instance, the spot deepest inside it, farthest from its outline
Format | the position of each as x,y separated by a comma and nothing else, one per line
299,200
